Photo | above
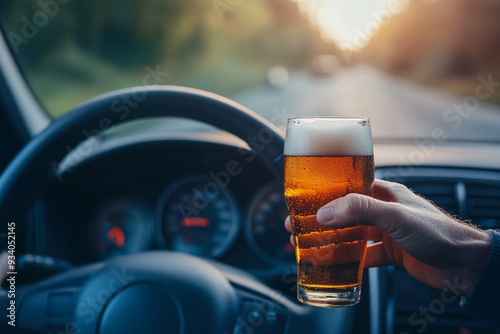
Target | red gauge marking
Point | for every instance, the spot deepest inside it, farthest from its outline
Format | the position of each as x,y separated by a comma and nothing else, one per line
116,236
195,222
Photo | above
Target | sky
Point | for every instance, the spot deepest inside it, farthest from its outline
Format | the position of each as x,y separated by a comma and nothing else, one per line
350,23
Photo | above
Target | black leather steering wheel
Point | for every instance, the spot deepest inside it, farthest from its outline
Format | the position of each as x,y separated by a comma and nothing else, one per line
155,292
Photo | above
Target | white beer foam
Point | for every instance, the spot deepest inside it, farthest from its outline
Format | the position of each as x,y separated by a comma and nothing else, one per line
328,137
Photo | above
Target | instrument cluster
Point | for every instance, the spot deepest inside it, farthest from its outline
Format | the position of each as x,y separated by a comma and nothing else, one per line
194,214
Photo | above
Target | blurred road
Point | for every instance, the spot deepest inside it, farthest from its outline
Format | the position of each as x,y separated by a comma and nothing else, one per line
398,109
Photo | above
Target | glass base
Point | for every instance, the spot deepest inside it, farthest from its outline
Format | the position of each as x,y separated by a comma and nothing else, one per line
340,296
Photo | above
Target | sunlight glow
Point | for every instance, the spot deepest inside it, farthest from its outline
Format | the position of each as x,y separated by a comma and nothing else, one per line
351,23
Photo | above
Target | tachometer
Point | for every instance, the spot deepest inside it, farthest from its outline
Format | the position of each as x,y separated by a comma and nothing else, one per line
121,227
264,230
199,216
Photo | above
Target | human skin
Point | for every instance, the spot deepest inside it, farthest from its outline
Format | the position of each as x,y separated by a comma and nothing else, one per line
410,231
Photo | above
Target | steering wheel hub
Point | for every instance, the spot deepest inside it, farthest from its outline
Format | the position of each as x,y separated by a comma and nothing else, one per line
157,292
157,309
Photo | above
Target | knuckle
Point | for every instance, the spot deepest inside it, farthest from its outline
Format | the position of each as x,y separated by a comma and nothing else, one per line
398,187
399,192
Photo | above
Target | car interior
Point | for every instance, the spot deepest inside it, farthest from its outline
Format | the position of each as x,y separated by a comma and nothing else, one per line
141,155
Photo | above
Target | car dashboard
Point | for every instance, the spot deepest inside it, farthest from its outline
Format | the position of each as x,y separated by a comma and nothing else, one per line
207,194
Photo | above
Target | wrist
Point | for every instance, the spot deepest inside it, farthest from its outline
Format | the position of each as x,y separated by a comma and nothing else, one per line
475,257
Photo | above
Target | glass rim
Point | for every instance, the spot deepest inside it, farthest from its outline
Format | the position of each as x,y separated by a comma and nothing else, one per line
329,118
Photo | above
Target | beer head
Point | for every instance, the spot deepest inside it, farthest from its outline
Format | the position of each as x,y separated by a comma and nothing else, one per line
328,136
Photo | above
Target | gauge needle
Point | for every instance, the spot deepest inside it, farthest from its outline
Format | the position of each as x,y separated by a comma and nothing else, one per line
116,236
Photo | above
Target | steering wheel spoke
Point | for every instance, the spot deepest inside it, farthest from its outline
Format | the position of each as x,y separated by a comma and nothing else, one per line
48,305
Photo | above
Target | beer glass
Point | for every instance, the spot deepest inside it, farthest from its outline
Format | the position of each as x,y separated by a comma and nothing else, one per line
326,158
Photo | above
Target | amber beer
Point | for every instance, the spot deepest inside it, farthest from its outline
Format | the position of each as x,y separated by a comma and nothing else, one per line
327,158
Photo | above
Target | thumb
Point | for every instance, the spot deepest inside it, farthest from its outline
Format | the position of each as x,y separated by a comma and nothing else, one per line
356,209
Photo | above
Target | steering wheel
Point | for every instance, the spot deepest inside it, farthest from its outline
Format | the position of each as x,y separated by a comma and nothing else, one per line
153,292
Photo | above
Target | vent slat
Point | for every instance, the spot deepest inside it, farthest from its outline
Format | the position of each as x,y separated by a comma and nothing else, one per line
483,202
483,205
432,188
484,191
483,212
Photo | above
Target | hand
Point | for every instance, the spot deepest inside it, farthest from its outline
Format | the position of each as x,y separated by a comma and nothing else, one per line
412,232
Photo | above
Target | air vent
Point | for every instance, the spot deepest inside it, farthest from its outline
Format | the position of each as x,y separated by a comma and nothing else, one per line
469,193
483,204
441,193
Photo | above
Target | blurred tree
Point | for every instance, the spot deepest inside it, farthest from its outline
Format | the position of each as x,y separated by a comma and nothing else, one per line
92,46
444,44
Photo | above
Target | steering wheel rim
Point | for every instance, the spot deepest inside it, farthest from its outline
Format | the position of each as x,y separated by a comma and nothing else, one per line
35,167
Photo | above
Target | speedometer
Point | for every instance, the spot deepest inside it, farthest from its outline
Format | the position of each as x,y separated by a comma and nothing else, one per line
121,227
264,230
199,216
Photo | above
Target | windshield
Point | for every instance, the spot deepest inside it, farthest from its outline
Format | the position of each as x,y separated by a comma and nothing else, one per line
74,50
424,64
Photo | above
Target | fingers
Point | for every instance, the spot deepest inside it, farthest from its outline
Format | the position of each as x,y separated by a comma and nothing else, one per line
288,224
383,190
375,253
355,209
376,256
392,192
396,192
375,234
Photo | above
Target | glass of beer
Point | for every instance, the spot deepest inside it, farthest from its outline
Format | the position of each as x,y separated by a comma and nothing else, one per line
326,158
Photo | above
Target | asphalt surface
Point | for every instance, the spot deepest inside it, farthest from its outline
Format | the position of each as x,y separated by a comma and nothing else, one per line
398,109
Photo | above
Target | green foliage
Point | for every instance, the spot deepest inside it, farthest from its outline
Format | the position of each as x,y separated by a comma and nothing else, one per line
93,46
